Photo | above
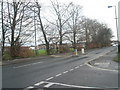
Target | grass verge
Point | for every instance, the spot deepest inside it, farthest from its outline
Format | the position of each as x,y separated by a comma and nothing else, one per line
117,58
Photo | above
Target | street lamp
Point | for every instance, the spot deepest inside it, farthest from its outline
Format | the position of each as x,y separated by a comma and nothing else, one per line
116,23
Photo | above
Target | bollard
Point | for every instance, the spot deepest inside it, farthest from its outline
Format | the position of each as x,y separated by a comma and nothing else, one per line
75,51
83,51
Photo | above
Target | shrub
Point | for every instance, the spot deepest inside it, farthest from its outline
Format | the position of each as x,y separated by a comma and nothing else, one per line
117,59
64,49
25,52
71,49
41,52
6,56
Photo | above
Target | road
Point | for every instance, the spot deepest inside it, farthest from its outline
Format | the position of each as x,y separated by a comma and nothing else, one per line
60,72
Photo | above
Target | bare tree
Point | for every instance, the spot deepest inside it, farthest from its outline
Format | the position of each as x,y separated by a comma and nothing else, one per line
96,32
14,24
42,28
104,35
62,17
13,20
74,21
86,26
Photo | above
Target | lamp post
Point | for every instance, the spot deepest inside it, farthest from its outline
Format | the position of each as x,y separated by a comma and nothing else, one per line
116,24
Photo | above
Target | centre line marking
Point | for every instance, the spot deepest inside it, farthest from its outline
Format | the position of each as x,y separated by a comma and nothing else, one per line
58,75
37,84
65,72
30,87
77,67
81,65
27,65
22,66
36,63
48,85
71,69
49,78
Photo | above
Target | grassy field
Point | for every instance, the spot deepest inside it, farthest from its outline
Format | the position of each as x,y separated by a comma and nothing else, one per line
117,59
40,52
43,52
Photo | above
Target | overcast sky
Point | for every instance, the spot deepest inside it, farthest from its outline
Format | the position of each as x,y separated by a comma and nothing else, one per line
96,9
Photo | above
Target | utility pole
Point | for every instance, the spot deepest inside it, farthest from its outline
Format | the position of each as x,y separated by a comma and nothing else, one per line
35,35
3,31
119,27
116,27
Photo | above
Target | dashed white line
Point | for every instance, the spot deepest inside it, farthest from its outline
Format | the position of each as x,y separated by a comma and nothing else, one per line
37,84
71,69
26,65
49,78
48,85
77,67
36,63
65,72
30,87
81,65
22,66
58,75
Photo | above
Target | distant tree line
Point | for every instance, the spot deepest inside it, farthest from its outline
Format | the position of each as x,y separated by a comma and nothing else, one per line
56,24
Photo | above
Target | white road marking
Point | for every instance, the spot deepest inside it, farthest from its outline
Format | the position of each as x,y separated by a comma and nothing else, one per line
65,72
101,68
48,85
74,86
87,63
30,87
37,84
58,75
49,78
101,63
27,65
77,67
71,69
36,63
81,65
22,66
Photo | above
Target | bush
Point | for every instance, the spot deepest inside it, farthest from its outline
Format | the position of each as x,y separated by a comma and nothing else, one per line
25,52
71,49
64,49
117,59
6,56
40,52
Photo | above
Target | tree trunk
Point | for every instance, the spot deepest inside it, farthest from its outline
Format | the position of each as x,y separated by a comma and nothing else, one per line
74,38
60,32
47,48
86,44
42,28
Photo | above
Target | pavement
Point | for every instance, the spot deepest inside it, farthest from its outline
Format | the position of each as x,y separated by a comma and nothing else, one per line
15,61
106,62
